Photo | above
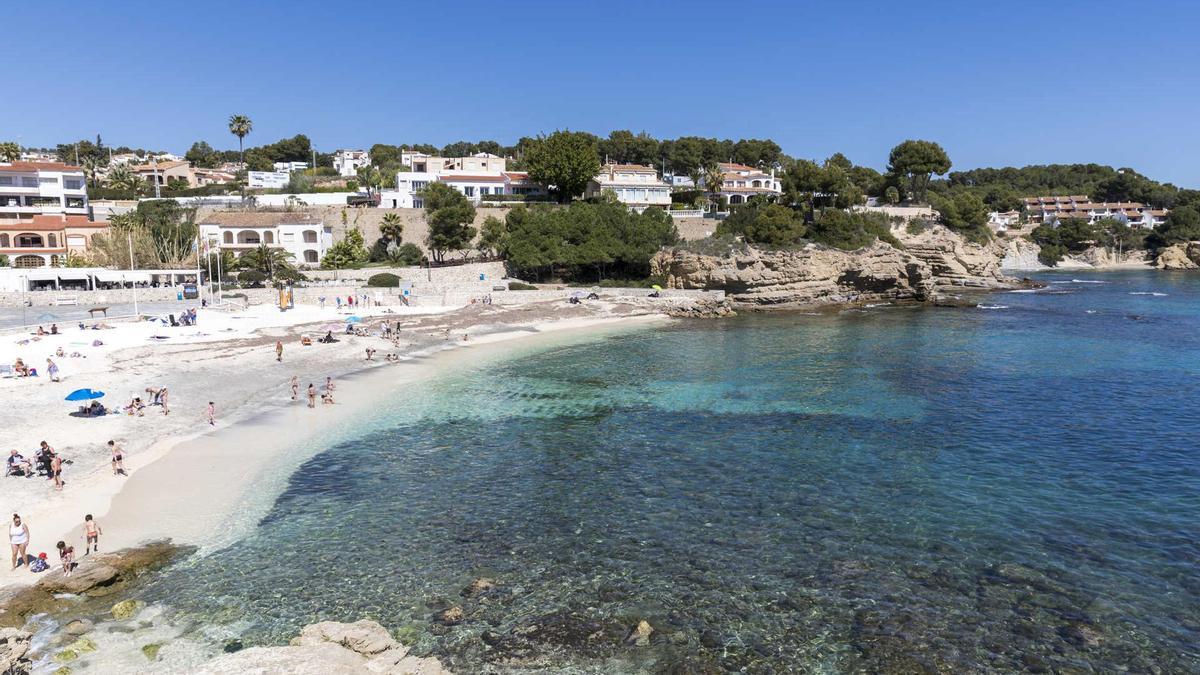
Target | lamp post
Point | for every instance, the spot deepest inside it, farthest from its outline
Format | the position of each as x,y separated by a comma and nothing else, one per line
154,164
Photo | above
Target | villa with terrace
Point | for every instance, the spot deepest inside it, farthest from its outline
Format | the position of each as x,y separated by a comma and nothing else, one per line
305,237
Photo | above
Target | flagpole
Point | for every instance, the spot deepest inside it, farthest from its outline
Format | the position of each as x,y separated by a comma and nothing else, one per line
136,313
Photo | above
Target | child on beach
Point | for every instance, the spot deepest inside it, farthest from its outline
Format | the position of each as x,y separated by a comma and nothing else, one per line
162,400
279,350
52,370
66,555
91,530
56,470
118,459
212,414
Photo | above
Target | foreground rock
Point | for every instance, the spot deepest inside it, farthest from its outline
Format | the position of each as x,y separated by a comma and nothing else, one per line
933,263
1179,257
14,646
97,575
329,647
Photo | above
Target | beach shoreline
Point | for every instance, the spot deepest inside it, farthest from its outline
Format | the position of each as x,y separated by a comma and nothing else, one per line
244,456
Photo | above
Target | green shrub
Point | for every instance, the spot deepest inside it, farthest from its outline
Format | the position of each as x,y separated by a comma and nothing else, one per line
517,198
407,254
3,260
521,286
384,279
251,278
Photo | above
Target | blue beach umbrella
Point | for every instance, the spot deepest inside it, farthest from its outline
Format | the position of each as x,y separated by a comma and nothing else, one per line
353,319
84,395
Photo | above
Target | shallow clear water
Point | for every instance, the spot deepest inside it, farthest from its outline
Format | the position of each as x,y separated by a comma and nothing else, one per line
896,490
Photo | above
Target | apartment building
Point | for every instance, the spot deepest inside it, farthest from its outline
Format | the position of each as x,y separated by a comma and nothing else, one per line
163,173
478,163
46,240
306,237
29,189
633,184
347,162
476,186
1055,208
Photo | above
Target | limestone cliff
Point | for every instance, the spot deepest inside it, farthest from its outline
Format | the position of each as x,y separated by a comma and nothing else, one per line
934,262
1184,256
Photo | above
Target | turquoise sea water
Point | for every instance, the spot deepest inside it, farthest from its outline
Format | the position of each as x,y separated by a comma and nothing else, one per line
900,489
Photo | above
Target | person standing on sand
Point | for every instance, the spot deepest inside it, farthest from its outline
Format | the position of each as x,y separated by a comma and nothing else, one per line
212,414
279,350
295,387
56,470
18,538
162,400
118,459
52,370
91,530
312,395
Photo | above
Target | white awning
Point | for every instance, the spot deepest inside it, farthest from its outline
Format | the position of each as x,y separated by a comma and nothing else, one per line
42,275
119,276
73,275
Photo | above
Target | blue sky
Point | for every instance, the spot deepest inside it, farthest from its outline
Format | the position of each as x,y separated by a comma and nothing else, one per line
995,83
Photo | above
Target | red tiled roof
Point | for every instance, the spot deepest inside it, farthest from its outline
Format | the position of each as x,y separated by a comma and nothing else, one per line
52,223
38,166
162,166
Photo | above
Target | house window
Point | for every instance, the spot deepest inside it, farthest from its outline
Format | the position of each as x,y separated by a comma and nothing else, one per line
310,256
469,190
6,180
29,241
3,241
227,237
52,239
28,181
288,236
310,237
73,184
48,180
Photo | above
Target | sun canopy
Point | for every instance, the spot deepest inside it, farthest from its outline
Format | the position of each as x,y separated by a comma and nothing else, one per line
84,395
119,276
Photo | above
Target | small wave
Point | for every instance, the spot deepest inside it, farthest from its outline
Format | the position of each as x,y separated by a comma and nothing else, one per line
992,306
1157,295
871,305
1087,281
1089,311
1027,290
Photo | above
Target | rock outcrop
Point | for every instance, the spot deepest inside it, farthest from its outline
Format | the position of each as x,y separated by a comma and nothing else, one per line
14,648
97,575
932,263
1020,254
1184,256
329,647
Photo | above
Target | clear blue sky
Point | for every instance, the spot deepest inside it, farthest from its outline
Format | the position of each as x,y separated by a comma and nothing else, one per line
1000,83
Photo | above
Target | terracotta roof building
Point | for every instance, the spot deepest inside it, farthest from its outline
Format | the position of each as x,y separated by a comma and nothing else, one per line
28,189
47,240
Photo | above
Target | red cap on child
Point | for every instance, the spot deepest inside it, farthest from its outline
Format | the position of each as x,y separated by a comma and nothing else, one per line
42,556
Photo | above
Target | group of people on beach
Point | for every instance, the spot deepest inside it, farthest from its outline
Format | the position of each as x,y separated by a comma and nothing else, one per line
326,395
47,461
19,536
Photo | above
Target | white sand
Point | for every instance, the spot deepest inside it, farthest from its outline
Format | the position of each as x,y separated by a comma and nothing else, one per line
207,486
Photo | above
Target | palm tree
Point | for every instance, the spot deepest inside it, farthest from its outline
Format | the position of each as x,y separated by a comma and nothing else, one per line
240,125
91,168
270,261
391,228
713,181
9,152
121,178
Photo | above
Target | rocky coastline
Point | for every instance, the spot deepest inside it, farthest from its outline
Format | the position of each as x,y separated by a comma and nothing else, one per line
935,266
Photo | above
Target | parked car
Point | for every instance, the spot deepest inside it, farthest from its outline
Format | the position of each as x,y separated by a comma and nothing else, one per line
190,292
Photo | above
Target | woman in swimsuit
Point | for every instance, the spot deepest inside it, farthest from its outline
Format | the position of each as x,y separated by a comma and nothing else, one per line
118,465
18,537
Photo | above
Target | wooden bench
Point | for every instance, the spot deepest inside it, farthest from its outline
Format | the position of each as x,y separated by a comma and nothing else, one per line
93,310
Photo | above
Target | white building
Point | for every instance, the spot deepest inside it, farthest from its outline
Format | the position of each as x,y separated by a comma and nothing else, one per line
347,162
741,182
1055,208
633,184
40,188
481,162
477,187
288,167
38,156
306,237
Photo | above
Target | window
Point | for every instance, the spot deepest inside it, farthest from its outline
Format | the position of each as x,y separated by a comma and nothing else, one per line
48,180
29,261
29,241
469,190
288,236
29,181
483,191
268,238
6,180
310,237
310,256
74,202
73,184
3,241
52,239
227,238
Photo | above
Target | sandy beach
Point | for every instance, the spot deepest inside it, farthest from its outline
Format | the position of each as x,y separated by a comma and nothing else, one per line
205,485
